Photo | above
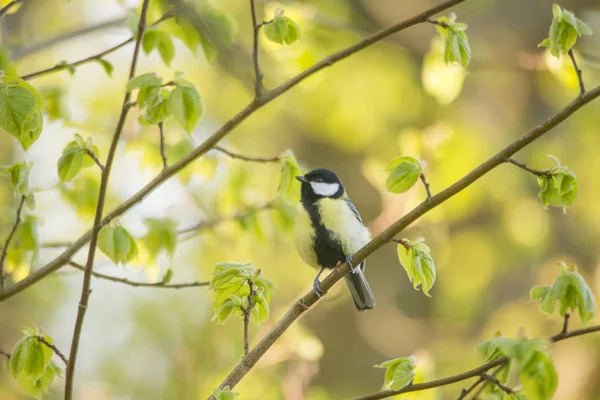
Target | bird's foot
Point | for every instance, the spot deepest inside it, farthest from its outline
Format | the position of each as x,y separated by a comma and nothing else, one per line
317,288
351,263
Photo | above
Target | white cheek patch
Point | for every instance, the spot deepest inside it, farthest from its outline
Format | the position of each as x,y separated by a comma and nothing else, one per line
325,189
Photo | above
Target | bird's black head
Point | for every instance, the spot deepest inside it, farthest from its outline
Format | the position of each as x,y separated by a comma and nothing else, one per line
320,183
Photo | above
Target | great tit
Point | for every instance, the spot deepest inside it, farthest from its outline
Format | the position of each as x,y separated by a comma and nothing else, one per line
329,231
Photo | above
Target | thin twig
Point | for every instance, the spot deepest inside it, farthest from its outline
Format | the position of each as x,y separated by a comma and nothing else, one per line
485,382
87,276
162,145
159,285
496,382
264,23
93,58
54,349
438,23
424,180
93,157
246,158
579,73
402,242
465,392
10,5
247,313
565,328
526,168
8,240
258,85
5,354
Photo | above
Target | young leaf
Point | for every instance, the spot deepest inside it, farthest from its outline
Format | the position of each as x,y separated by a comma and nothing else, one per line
559,187
564,31
161,41
570,290
224,394
186,106
289,187
71,162
19,176
117,243
20,111
538,377
217,31
404,172
155,103
144,81
456,48
418,263
107,66
399,372
282,29
167,276
161,235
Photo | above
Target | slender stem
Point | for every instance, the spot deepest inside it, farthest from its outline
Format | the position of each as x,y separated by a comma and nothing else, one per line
93,157
247,314
10,5
162,145
258,85
246,158
87,276
158,285
92,58
424,180
8,240
485,382
438,23
5,354
495,381
526,168
465,392
578,71
54,349
402,242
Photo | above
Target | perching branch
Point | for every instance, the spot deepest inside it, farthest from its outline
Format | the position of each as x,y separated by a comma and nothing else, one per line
93,157
387,235
247,313
258,85
10,5
465,392
495,381
54,349
162,145
426,184
402,242
159,285
246,158
479,371
8,240
578,72
526,168
438,23
485,382
95,57
87,276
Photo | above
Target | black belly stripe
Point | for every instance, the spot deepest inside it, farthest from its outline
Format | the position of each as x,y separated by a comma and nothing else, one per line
328,250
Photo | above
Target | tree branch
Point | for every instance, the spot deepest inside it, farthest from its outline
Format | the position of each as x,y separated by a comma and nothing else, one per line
10,5
258,85
246,158
5,354
162,145
159,285
95,57
526,168
85,290
424,180
495,381
54,349
578,72
8,240
247,313
93,157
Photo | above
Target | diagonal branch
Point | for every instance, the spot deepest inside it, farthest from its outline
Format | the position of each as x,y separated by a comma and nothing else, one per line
526,168
85,290
247,314
95,57
163,155
246,158
258,85
159,285
95,159
578,72
8,240
212,140
54,349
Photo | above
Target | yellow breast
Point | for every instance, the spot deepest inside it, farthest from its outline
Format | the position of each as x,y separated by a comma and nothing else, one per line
304,236
338,218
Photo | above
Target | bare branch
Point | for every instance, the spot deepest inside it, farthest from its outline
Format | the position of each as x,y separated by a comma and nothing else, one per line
246,158
438,23
402,242
465,392
526,168
93,157
87,276
8,240
158,285
162,145
578,72
10,5
424,180
54,349
496,382
258,85
5,354
247,313
90,59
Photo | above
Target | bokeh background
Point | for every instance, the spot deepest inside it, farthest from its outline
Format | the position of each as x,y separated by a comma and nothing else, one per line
491,243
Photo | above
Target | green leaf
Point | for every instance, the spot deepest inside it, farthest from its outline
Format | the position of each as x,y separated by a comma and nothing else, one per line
564,31
538,377
456,42
155,103
186,106
117,243
144,81
71,162
559,188
20,111
282,30
19,176
107,66
289,187
38,387
6,63
161,235
418,263
399,372
224,394
27,234
570,290
167,276
216,30
161,41
67,66
260,308
404,172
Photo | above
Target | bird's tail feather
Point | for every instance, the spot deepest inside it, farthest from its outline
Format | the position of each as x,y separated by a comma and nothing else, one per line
360,290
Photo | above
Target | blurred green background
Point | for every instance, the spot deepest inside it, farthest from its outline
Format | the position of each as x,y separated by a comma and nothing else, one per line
491,243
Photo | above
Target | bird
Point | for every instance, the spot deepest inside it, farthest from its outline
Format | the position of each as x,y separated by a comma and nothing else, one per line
329,230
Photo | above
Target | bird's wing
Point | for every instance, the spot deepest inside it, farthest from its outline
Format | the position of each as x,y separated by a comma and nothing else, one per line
354,210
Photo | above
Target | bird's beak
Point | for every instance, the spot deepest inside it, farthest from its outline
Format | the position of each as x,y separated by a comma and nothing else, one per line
302,179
